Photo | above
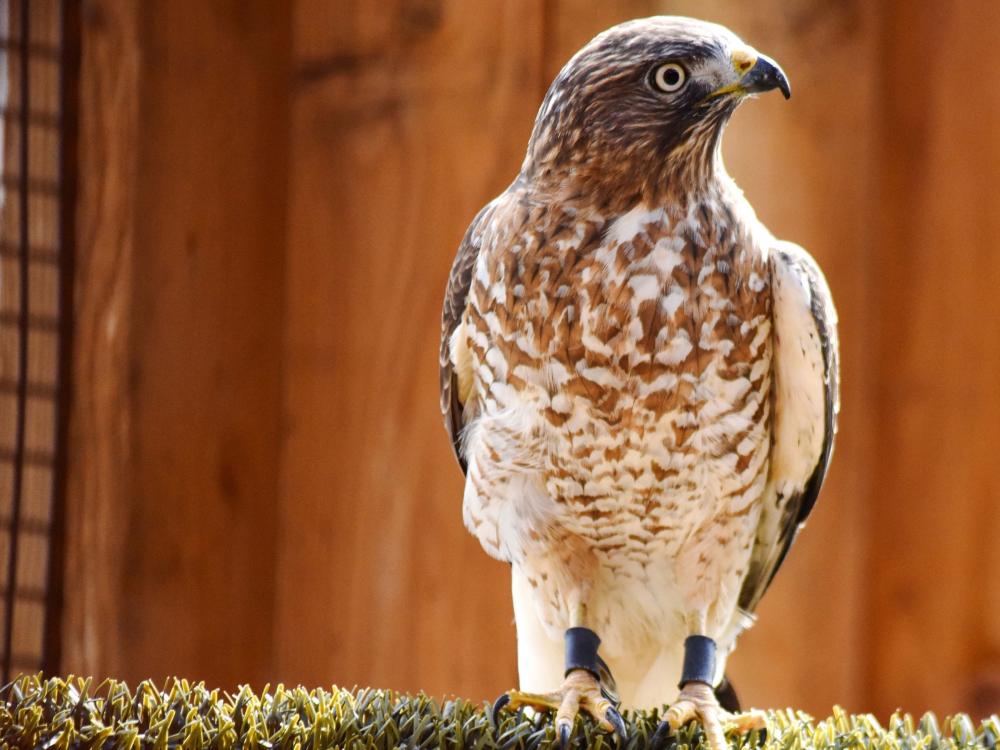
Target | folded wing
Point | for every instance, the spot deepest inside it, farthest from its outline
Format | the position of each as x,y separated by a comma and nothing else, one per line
806,403
455,367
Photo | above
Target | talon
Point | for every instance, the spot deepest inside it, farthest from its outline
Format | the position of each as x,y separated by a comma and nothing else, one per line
580,693
564,732
498,706
660,736
615,719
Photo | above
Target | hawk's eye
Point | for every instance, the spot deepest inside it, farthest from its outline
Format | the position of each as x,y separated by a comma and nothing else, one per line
668,77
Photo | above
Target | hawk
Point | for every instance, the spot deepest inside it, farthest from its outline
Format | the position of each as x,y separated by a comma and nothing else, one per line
639,380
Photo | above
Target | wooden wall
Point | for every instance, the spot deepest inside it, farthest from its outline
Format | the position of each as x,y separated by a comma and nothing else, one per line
270,199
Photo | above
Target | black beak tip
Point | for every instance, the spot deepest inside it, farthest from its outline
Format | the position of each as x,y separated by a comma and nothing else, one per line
766,75
784,88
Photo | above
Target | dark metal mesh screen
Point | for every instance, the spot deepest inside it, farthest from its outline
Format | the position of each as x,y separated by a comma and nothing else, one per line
34,292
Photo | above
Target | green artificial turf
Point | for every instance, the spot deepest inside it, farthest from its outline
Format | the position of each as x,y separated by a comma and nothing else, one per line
75,713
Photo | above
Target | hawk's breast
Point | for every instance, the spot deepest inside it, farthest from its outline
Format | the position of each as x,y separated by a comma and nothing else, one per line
622,374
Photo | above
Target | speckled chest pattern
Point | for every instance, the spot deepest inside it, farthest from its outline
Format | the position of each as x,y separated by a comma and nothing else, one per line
622,382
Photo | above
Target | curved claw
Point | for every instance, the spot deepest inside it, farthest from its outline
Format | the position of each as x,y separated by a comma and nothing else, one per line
660,735
498,706
564,732
615,719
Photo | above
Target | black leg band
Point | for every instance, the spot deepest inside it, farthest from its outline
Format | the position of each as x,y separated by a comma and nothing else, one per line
699,660
581,650
581,653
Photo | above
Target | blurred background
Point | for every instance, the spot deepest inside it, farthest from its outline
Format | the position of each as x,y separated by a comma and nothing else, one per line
227,226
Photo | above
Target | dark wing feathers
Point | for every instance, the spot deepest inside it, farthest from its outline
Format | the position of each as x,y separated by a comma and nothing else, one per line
455,299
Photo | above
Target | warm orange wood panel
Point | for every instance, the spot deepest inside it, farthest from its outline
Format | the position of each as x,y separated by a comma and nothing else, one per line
936,503
206,339
99,438
180,308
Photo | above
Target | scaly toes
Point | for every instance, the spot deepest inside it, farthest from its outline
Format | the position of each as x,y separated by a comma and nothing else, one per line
587,696
745,722
679,714
515,699
697,701
711,723
580,692
566,714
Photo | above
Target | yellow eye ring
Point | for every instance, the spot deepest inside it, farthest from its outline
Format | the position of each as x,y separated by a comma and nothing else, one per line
669,77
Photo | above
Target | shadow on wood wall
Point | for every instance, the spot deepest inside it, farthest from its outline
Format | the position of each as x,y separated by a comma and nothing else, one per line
271,195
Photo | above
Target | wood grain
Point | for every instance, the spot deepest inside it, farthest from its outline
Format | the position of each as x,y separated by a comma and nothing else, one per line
934,626
180,338
100,451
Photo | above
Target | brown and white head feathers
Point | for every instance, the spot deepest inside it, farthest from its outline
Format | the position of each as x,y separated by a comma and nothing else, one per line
605,130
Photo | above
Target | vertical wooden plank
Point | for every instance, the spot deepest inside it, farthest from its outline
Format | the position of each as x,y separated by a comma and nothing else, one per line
99,452
934,613
407,117
178,373
802,164
205,369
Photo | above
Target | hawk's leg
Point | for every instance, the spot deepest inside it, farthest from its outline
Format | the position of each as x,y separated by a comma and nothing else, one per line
588,687
698,701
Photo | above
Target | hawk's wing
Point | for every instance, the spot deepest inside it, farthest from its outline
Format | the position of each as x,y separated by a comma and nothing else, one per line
455,298
805,406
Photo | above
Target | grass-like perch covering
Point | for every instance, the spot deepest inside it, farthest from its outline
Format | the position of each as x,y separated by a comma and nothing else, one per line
75,713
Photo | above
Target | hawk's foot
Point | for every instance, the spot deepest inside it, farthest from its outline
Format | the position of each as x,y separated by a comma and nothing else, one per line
697,701
580,691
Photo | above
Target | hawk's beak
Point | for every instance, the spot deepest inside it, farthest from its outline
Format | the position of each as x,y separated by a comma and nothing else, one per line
764,76
758,73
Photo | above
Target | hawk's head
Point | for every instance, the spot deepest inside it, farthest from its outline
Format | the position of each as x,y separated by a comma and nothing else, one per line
639,111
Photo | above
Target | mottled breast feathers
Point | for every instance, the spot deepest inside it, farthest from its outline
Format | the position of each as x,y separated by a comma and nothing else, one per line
805,394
